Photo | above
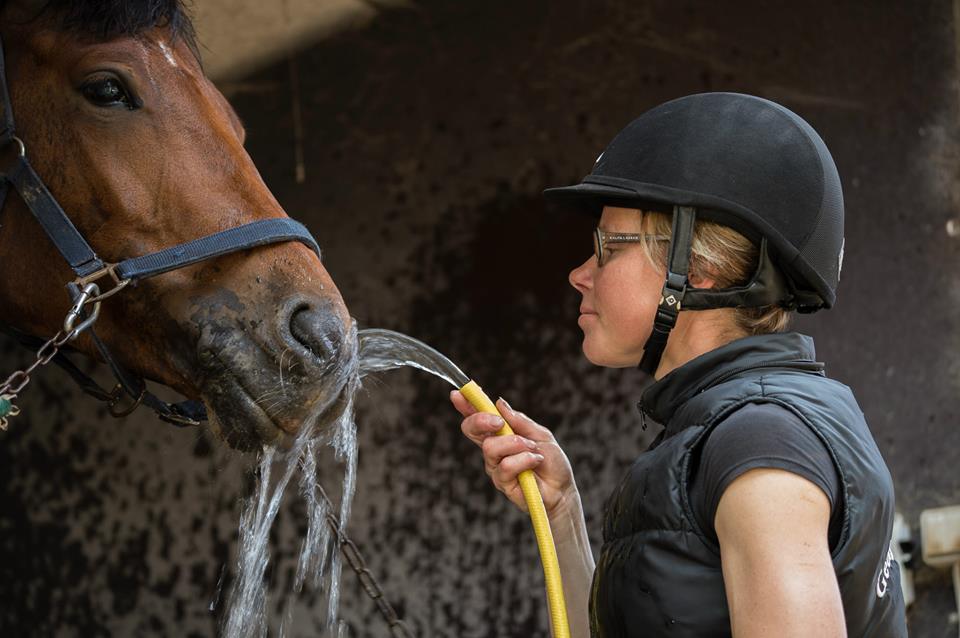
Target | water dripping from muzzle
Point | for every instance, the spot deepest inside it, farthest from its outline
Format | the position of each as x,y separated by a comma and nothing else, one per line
247,616
319,562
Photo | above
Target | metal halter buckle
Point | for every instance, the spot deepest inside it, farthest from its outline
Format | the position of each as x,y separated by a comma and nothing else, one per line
113,405
177,419
108,269
21,147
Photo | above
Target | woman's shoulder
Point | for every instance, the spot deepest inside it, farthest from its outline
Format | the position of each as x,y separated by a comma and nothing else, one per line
760,436
766,435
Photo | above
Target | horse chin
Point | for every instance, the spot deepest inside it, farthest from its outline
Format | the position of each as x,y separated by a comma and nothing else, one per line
244,425
236,417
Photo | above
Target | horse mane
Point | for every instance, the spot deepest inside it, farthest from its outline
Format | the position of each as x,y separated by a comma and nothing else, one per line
108,19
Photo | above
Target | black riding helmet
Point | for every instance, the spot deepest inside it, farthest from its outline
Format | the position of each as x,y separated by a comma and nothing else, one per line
741,161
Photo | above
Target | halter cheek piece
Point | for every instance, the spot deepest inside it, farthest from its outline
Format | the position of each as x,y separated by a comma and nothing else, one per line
91,271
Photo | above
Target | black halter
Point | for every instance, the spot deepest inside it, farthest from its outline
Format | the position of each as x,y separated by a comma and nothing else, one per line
91,271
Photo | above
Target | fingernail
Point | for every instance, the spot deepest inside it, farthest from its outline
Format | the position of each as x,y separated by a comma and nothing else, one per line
530,444
539,457
505,403
496,421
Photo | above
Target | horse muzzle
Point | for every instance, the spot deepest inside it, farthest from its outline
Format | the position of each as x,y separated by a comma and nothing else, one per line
269,376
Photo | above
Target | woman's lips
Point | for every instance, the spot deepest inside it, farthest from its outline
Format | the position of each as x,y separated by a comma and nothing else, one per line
586,315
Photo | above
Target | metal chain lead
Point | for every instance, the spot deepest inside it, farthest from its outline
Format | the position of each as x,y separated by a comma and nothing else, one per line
19,379
16,382
370,585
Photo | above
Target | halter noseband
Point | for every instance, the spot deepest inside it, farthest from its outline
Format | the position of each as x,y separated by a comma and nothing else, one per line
90,269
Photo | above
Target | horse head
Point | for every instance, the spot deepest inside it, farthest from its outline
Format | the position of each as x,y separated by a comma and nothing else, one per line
143,152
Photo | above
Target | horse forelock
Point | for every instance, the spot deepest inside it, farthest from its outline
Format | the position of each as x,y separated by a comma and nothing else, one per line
108,19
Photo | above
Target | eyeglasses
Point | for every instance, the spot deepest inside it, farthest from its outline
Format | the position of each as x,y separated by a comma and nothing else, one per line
601,239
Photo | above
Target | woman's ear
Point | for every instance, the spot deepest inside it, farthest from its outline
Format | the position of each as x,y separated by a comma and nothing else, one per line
700,280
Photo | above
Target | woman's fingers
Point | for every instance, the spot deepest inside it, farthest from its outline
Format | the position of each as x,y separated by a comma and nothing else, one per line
529,447
477,425
461,404
480,426
497,448
505,474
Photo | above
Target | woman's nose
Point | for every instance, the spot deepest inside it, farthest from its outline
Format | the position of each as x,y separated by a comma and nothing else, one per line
581,277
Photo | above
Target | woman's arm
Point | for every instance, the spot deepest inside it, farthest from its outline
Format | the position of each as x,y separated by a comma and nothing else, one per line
772,526
576,562
533,447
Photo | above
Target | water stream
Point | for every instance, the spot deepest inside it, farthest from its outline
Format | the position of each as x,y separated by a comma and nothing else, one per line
382,350
319,561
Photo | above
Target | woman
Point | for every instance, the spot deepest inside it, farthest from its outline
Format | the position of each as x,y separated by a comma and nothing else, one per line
764,508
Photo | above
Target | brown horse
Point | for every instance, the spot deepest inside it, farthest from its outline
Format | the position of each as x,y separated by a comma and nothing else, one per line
143,152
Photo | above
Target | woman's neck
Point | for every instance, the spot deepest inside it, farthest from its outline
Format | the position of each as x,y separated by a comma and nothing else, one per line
696,333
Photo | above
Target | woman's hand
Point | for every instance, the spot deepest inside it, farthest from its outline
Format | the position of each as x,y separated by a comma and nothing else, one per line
531,447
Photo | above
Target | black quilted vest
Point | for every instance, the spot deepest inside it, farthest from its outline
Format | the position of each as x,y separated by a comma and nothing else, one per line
659,575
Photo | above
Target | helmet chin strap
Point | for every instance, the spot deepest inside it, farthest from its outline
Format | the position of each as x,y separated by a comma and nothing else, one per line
674,288
767,287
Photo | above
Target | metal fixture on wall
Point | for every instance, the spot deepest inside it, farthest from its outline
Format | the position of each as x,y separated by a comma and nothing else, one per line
940,538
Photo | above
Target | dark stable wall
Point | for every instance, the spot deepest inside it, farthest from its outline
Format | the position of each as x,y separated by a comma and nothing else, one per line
427,138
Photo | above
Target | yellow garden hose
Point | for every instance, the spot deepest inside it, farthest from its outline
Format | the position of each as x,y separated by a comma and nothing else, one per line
386,350
538,514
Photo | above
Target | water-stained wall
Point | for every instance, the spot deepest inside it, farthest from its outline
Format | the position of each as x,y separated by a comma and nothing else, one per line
427,138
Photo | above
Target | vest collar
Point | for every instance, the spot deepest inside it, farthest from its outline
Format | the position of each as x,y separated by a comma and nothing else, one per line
662,399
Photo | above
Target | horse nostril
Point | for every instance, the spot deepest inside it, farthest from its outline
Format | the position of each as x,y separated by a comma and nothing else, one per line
318,332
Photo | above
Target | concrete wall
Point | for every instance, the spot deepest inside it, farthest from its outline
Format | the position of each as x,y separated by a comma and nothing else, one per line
427,138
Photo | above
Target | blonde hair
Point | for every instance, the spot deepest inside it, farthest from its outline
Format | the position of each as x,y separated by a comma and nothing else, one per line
725,256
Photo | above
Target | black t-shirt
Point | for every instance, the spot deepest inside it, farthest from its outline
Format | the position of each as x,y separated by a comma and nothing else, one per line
762,435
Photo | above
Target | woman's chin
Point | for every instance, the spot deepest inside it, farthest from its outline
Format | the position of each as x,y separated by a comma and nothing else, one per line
604,357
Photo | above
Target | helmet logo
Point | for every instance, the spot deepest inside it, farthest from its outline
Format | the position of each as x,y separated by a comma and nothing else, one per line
843,243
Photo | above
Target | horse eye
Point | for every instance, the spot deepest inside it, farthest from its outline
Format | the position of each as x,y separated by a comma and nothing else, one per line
107,92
